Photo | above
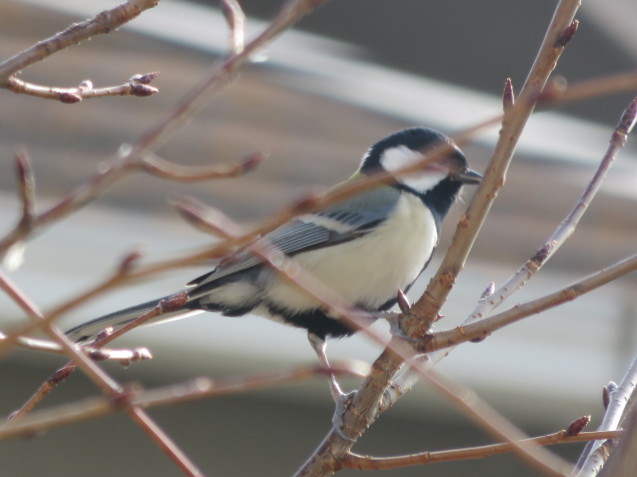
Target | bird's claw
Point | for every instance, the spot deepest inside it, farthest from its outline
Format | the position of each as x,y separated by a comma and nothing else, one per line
340,407
394,327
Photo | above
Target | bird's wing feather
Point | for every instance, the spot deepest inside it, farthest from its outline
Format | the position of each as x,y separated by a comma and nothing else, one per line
340,223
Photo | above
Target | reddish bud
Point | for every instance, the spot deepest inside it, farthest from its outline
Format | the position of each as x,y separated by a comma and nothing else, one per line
567,35
253,160
578,425
61,375
138,89
70,98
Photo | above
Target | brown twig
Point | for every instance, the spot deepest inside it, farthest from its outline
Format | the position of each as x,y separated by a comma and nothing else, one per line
466,400
417,322
486,326
200,388
568,225
102,23
159,167
129,156
565,229
138,85
558,92
235,18
99,377
363,462
306,204
95,351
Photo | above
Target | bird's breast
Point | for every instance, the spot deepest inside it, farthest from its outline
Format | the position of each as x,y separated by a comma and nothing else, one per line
367,271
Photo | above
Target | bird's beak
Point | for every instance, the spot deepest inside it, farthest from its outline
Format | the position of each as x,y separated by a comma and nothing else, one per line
468,177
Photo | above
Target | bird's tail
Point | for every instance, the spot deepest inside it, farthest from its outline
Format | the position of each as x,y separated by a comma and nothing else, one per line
89,330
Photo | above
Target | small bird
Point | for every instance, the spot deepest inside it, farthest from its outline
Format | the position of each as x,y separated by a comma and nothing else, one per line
366,248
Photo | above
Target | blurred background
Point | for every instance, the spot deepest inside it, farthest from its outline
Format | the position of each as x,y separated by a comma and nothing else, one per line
315,100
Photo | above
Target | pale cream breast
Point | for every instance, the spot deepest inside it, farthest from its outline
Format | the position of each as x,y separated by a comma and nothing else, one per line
368,270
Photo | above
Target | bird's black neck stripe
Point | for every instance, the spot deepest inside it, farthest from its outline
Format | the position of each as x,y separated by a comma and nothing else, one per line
438,200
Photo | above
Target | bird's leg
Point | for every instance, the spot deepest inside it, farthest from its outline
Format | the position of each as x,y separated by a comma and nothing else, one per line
340,398
318,345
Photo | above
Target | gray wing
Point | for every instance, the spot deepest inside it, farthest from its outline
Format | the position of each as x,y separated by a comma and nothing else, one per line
342,222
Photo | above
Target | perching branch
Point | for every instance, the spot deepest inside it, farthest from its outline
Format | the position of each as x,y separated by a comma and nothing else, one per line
565,229
466,400
417,322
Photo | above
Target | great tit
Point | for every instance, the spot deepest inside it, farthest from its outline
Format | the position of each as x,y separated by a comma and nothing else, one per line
366,248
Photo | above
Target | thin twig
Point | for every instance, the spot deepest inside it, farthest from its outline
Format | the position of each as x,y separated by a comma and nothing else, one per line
138,85
124,356
570,222
591,88
200,388
128,158
235,17
594,455
104,22
306,204
95,352
466,400
363,462
367,399
623,460
565,229
159,167
486,326
99,377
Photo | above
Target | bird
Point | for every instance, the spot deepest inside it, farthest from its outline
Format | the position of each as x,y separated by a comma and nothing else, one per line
367,248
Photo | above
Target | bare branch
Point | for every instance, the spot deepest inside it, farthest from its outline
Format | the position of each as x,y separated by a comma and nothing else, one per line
486,326
418,321
623,460
466,400
127,158
360,462
570,222
102,23
200,388
133,87
595,454
124,356
159,167
493,298
588,89
235,17
98,376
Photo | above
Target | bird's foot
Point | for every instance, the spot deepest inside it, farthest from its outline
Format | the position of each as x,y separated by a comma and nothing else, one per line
394,327
341,404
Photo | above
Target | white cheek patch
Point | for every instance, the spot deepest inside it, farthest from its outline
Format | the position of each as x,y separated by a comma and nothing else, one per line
400,157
